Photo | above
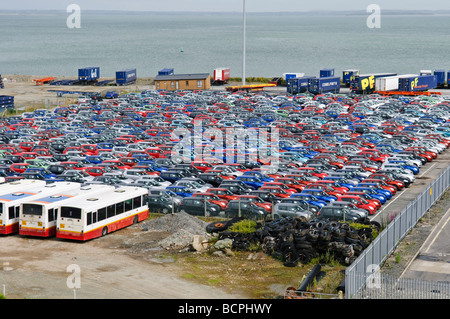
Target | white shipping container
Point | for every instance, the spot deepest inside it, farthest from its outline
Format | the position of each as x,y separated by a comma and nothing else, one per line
292,75
389,83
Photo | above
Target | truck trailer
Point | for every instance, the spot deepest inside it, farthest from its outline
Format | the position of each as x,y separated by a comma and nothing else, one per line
298,85
365,83
221,76
126,77
418,83
324,85
89,74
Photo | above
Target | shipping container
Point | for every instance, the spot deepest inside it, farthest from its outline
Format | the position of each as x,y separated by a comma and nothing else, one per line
440,77
389,83
426,72
6,102
448,78
418,83
287,76
346,76
298,85
126,77
324,85
365,83
166,71
221,75
89,74
326,73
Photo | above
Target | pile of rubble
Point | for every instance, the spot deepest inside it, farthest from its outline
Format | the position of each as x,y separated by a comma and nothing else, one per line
295,240
184,228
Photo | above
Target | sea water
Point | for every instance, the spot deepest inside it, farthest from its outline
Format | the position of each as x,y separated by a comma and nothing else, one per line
42,44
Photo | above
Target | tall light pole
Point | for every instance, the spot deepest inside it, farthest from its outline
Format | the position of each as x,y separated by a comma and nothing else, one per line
243,43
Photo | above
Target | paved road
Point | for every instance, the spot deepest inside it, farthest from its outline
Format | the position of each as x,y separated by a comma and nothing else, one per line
427,174
432,262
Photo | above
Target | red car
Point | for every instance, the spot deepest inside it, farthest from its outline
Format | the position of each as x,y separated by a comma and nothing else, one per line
95,171
291,183
397,184
258,201
213,199
359,202
367,197
223,193
276,190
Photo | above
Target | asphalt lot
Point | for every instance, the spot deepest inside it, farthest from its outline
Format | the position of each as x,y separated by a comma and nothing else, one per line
428,173
432,262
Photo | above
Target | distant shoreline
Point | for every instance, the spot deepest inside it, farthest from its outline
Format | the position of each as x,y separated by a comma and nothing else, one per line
279,13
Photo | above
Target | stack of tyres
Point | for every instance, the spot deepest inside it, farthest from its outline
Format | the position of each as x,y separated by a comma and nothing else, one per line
6,102
418,83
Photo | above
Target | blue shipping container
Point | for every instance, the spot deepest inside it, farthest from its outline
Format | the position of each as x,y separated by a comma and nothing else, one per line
418,83
325,73
298,85
6,101
125,77
89,74
167,71
440,77
324,85
347,75
365,83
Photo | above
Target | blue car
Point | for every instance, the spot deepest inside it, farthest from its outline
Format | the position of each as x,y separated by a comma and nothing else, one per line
252,181
182,191
381,191
260,175
319,194
403,164
371,193
311,199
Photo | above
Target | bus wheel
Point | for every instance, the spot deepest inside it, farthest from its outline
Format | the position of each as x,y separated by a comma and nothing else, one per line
104,231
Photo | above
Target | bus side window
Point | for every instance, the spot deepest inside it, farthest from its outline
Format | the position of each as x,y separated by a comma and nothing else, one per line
111,211
88,218
137,202
51,216
17,211
94,217
101,214
128,205
11,213
119,208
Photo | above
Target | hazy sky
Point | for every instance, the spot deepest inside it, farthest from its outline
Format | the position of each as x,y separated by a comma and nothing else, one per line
225,5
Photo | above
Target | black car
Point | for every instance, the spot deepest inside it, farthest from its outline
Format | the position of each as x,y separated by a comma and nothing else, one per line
266,196
339,214
211,178
246,209
235,188
161,204
199,207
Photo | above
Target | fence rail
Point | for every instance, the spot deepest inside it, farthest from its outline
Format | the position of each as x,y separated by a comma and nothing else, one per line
365,268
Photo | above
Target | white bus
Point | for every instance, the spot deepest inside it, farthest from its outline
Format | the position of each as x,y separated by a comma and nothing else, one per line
10,203
38,217
96,216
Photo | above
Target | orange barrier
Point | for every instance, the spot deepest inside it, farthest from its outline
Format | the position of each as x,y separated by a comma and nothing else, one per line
407,93
249,87
43,80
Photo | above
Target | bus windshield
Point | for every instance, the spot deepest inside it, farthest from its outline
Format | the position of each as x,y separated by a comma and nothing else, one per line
32,209
70,212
